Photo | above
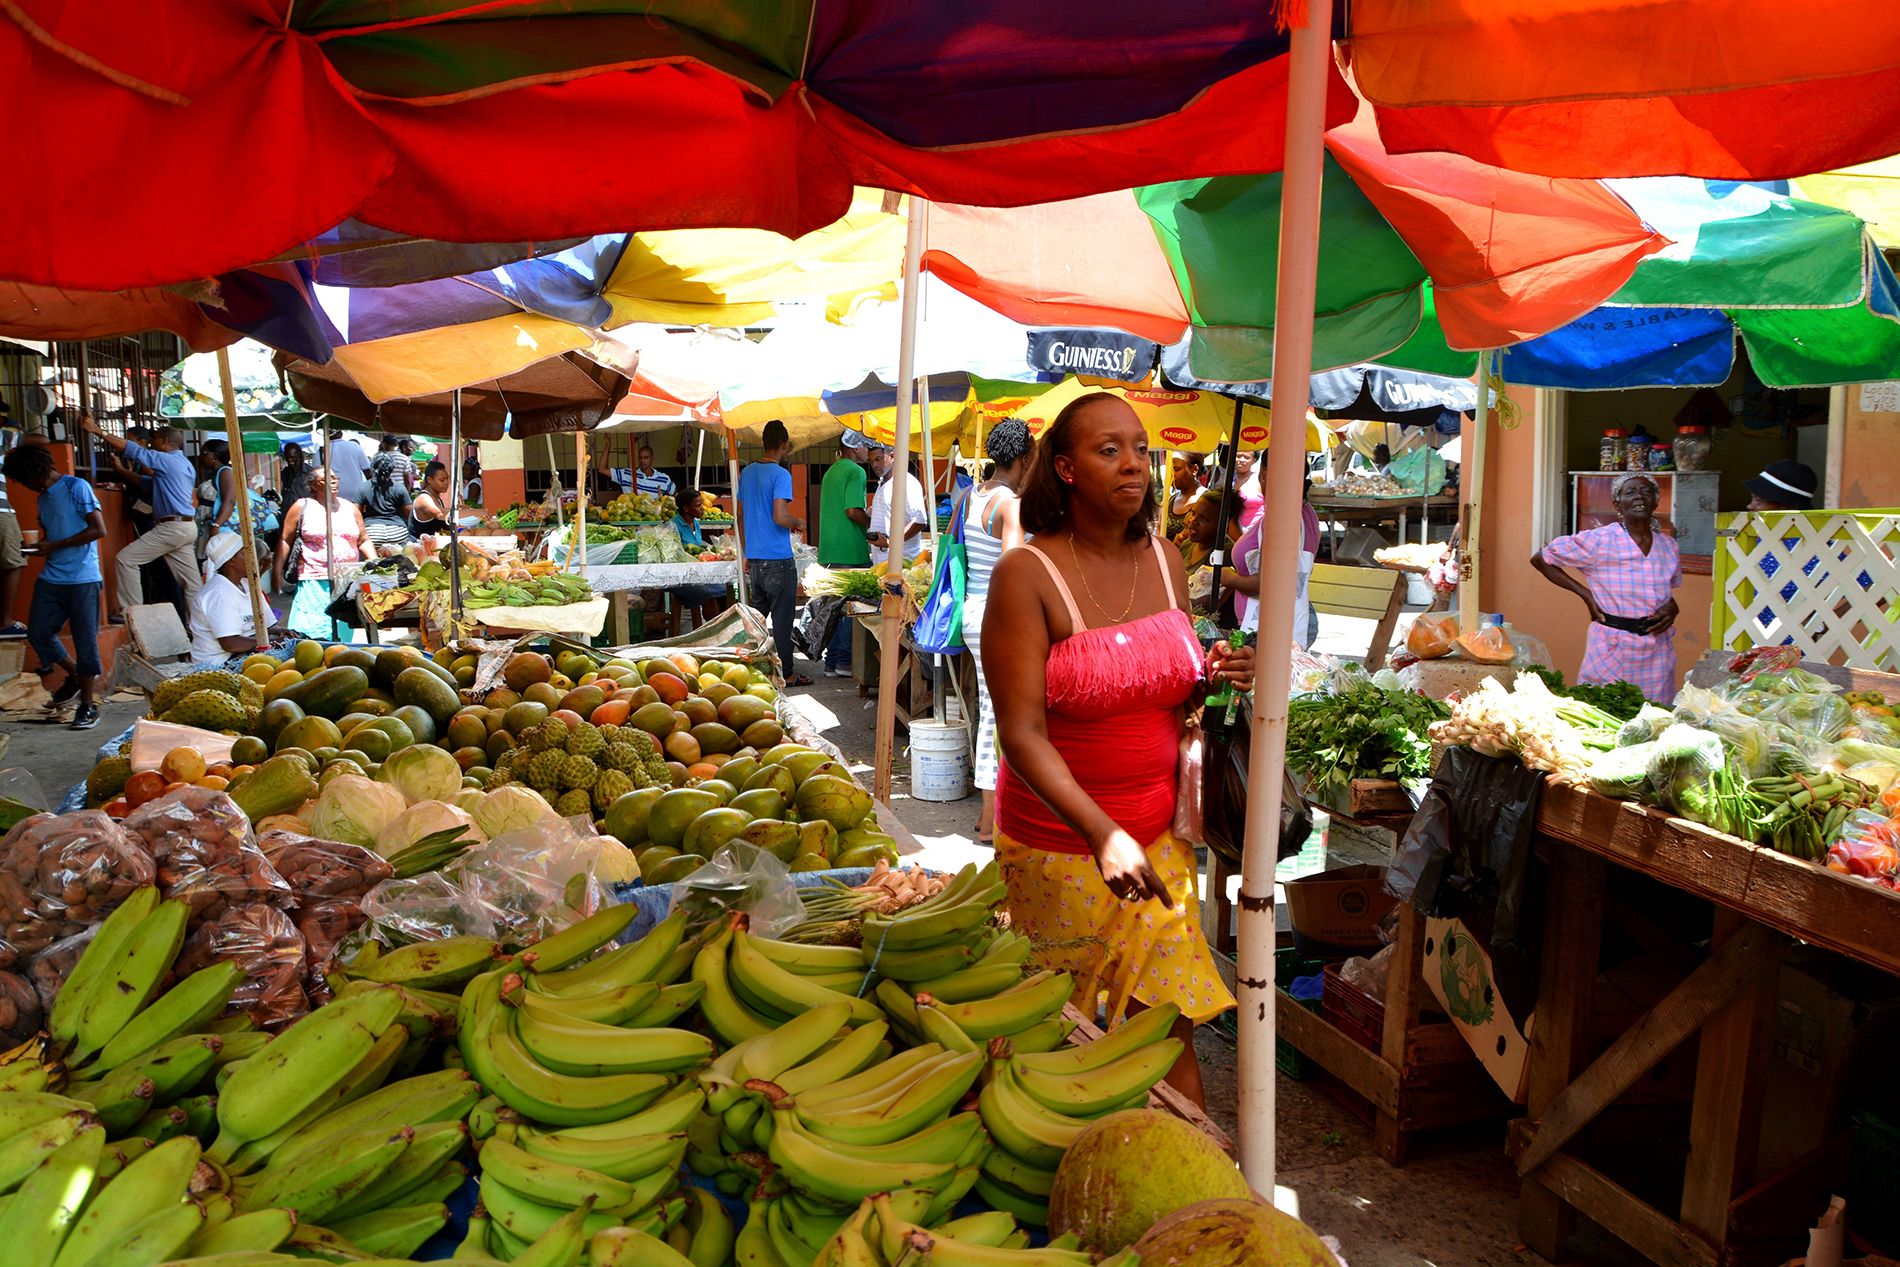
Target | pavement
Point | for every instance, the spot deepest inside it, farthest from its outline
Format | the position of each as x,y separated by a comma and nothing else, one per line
1453,1205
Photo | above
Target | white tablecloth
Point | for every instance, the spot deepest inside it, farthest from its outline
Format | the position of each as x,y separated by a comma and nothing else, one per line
613,578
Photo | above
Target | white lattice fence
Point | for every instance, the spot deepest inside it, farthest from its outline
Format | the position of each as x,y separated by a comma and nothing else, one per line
1822,580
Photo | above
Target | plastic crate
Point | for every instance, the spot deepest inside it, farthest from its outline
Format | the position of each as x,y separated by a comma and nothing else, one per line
1289,964
1870,1205
1352,1010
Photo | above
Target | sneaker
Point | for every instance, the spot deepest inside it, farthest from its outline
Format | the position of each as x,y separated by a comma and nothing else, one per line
67,689
14,630
832,670
86,718
117,619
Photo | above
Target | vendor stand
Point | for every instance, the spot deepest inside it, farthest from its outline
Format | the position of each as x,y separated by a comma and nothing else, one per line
1334,511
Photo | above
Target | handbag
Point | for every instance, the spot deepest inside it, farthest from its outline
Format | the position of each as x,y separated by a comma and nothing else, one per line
939,627
1190,785
1224,797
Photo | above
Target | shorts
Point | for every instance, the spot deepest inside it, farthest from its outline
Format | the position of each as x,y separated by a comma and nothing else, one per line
11,556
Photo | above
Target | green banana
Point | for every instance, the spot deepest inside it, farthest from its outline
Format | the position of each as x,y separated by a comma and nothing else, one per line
980,981
118,1154
443,1096
581,938
1043,1036
1008,947
945,1199
792,1043
201,1114
710,1230
131,978
474,1246
395,1232
527,1220
990,1227
630,1247
931,961
588,1049
366,1076
787,991
238,1047
1022,1126
495,1055
550,1182
27,1074
425,1014
1036,999
96,963
159,1076
753,1245
1147,1026
942,1143
884,1078
182,1009
431,965
23,1110
1006,1168
901,1006
857,1051
155,1238
43,1211
609,1007
624,1159
795,1238
119,1102
723,1009
269,1090
940,1029
671,1113
1093,1092
674,1002
642,960
327,1180
259,1231
562,1244
429,1147
812,1166
153,1181
445,1182
810,961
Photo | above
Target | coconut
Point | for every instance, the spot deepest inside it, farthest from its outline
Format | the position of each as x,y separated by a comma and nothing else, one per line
1129,1170
1230,1233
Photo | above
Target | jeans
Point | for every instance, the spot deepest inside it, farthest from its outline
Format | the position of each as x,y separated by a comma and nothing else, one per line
57,605
775,592
838,650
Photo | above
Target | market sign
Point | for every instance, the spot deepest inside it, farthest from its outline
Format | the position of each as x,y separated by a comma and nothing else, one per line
1099,353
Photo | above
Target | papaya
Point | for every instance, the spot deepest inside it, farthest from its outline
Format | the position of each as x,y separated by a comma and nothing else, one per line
674,812
420,723
278,786
370,706
428,692
280,682
309,733
712,829
390,663
328,692
274,716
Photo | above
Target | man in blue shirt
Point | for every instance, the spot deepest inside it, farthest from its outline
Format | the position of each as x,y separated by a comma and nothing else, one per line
174,534
67,591
766,525
648,480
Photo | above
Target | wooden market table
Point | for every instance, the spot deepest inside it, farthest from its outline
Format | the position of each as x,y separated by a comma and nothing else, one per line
1334,511
1763,901
619,580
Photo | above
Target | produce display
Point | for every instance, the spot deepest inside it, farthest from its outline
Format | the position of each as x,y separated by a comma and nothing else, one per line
1544,730
1360,730
1621,700
638,508
1362,484
866,584
597,1087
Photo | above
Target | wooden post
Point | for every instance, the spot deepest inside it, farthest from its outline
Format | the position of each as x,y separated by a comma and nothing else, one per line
1471,493
1725,1122
893,594
738,528
577,544
259,614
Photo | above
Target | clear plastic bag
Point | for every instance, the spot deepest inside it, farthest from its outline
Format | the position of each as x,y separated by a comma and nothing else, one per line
206,856
21,1012
1649,722
60,874
316,869
20,786
422,908
1369,974
740,877
47,971
1679,770
1432,637
262,940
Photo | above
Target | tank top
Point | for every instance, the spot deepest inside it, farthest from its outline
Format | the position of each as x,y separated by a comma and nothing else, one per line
1112,696
981,549
348,532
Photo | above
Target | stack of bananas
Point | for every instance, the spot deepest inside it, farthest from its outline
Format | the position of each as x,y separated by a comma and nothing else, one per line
555,589
894,1230
1035,1104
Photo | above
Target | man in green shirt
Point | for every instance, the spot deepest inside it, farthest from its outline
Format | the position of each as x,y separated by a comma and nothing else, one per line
842,519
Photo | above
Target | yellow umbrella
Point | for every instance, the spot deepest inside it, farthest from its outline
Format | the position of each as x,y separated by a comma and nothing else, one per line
1178,421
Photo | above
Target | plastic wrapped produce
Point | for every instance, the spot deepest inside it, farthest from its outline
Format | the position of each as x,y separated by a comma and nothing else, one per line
61,874
1680,764
317,869
202,844
263,941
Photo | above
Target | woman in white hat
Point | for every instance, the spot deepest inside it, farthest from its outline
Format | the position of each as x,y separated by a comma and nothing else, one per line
222,621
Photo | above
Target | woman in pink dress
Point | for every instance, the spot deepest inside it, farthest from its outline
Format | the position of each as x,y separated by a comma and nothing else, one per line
1629,571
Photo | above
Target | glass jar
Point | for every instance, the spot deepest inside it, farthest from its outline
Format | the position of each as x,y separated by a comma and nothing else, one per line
1661,457
1636,453
1610,449
1692,448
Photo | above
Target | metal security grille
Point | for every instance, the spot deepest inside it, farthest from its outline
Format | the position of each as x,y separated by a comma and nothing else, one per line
1821,580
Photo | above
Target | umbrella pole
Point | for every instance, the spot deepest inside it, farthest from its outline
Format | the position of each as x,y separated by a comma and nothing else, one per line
329,521
738,529
930,529
893,596
554,475
1471,486
1309,58
455,506
577,544
699,458
260,630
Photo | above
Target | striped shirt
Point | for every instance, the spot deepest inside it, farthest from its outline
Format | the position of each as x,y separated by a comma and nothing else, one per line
659,483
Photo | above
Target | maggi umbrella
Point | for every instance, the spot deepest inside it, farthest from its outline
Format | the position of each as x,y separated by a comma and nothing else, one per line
1176,419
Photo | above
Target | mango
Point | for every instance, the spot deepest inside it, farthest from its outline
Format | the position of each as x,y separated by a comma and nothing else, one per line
674,812
760,802
719,787
522,716
762,733
808,862
673,870
838,801
699,711
775,836
776,777
778,753
738,771
650,858
712,829
713,737
626,817
655,718
741,711
866,855
816,836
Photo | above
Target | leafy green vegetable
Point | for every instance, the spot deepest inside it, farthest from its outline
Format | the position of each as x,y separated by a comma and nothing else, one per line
1621,700
1365,732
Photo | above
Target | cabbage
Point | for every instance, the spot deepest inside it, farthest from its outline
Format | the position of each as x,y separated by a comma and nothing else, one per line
422,772
425,818
510,809
470,799
355,810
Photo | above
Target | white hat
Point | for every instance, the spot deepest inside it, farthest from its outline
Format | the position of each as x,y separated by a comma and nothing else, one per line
220,550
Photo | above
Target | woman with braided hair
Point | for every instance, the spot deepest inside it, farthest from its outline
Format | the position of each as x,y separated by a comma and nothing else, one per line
991,525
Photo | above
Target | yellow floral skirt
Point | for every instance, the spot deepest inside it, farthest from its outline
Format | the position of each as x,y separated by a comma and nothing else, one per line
1138,951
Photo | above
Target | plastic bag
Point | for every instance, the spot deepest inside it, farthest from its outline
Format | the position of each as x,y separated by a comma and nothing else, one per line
1649,722
1679,770
206,856
427,907
262,940
1869,847
1311,672
1432,637
740,877
60,874
1372,975
1489,645
20,786
1867,724
152,739
1815,716
316,869
1623,773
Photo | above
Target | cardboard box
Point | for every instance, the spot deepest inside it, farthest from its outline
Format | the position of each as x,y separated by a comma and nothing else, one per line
1458,971
1832,1026
1338,909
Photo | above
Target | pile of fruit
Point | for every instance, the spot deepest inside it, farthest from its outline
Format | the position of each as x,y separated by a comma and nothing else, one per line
591,1084
551,589
639,508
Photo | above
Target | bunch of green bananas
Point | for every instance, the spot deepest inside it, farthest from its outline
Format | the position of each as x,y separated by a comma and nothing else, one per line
1035,1104
894,1228
556,589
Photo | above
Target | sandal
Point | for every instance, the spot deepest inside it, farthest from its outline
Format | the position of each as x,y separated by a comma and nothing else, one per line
798,679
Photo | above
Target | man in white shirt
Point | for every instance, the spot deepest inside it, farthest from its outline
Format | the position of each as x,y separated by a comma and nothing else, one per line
879,532
349,465
222,622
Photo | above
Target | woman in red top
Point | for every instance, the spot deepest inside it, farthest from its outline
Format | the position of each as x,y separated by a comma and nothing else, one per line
1092,661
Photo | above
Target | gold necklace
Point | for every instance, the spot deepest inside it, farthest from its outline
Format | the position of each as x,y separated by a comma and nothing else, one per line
1086,589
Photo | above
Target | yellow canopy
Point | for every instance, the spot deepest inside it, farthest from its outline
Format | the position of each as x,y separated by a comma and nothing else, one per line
1871,191
1177,421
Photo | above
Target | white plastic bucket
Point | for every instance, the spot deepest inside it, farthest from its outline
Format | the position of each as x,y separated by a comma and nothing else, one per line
939,760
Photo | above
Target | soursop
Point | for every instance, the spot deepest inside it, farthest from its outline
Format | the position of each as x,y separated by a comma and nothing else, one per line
107,779
574,803
208,710
623,757
585,741
544,771
551,735
609,734
251,694
609,787
170,694
578,772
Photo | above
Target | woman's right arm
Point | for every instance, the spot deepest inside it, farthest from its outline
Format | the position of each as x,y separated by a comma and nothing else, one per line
1557,576
293,519
1009,522
1014,665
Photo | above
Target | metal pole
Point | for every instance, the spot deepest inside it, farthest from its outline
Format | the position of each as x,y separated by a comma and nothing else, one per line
329,516
554,481
1308,60
260,629
1471,493
699,458
893,597
455,505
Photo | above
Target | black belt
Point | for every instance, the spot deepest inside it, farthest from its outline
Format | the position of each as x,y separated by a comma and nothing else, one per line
172,519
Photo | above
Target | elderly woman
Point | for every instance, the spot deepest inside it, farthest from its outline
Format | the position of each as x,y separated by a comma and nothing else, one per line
1629,570
1092,660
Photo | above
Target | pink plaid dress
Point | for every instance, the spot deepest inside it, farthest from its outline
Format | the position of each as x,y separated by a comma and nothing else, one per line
1626,582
